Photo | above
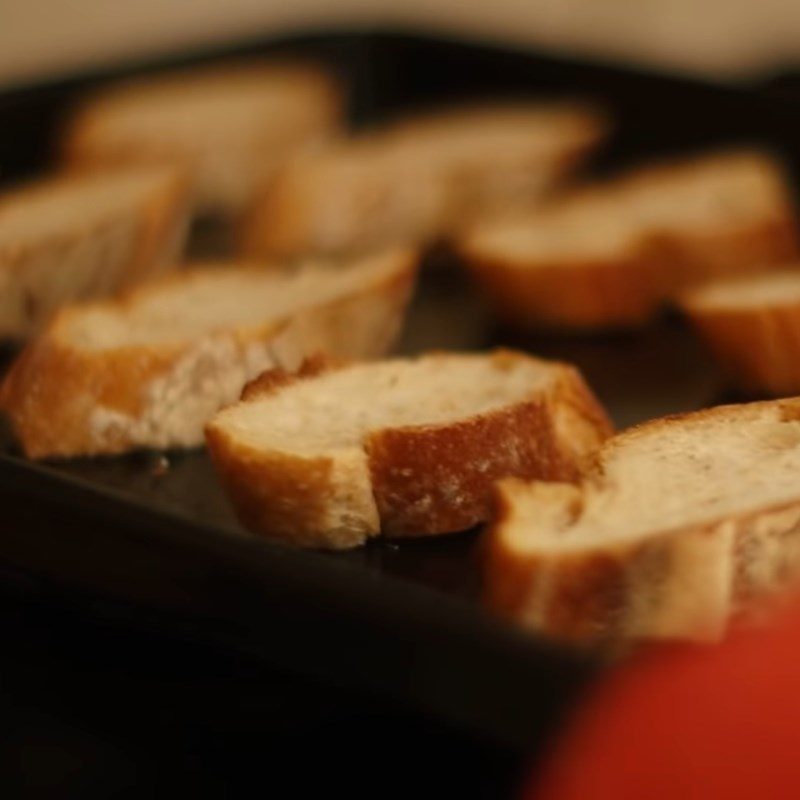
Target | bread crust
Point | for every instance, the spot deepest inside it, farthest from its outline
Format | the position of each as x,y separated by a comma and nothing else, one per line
437,479
588,294
758,347
64,401
412,480
310,502
683,582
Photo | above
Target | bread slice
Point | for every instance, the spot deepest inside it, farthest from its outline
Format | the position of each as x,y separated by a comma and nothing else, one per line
578,263
613,254
348,198
231,126
75,237
406,447
420,178
148,369
502,156
752,325
681,523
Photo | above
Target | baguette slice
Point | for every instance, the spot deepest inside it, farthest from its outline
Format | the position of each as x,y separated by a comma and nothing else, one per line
580,262
752,325
681,523
63,239
612,255
501,156
148,369
350,197
420,178
406,447
231,126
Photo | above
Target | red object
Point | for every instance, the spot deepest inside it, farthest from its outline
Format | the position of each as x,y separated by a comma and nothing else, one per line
688,722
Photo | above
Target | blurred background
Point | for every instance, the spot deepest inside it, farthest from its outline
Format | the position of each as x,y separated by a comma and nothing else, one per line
718,38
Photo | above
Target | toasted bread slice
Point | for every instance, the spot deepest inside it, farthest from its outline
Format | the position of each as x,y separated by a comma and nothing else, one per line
420,178
406,447
681,523
752,325
612,255
347,198
500,157
148,369
577,263
68,238
230,126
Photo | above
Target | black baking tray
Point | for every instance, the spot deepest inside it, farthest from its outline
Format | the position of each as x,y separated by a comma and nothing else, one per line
128,540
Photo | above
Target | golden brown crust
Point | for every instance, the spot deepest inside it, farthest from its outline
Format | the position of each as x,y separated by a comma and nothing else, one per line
758,347
623,292
587,597
423,479
50,392
65,401
290,496
295,489
437,479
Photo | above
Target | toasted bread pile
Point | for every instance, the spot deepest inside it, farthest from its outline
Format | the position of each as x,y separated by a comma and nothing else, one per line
278,355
